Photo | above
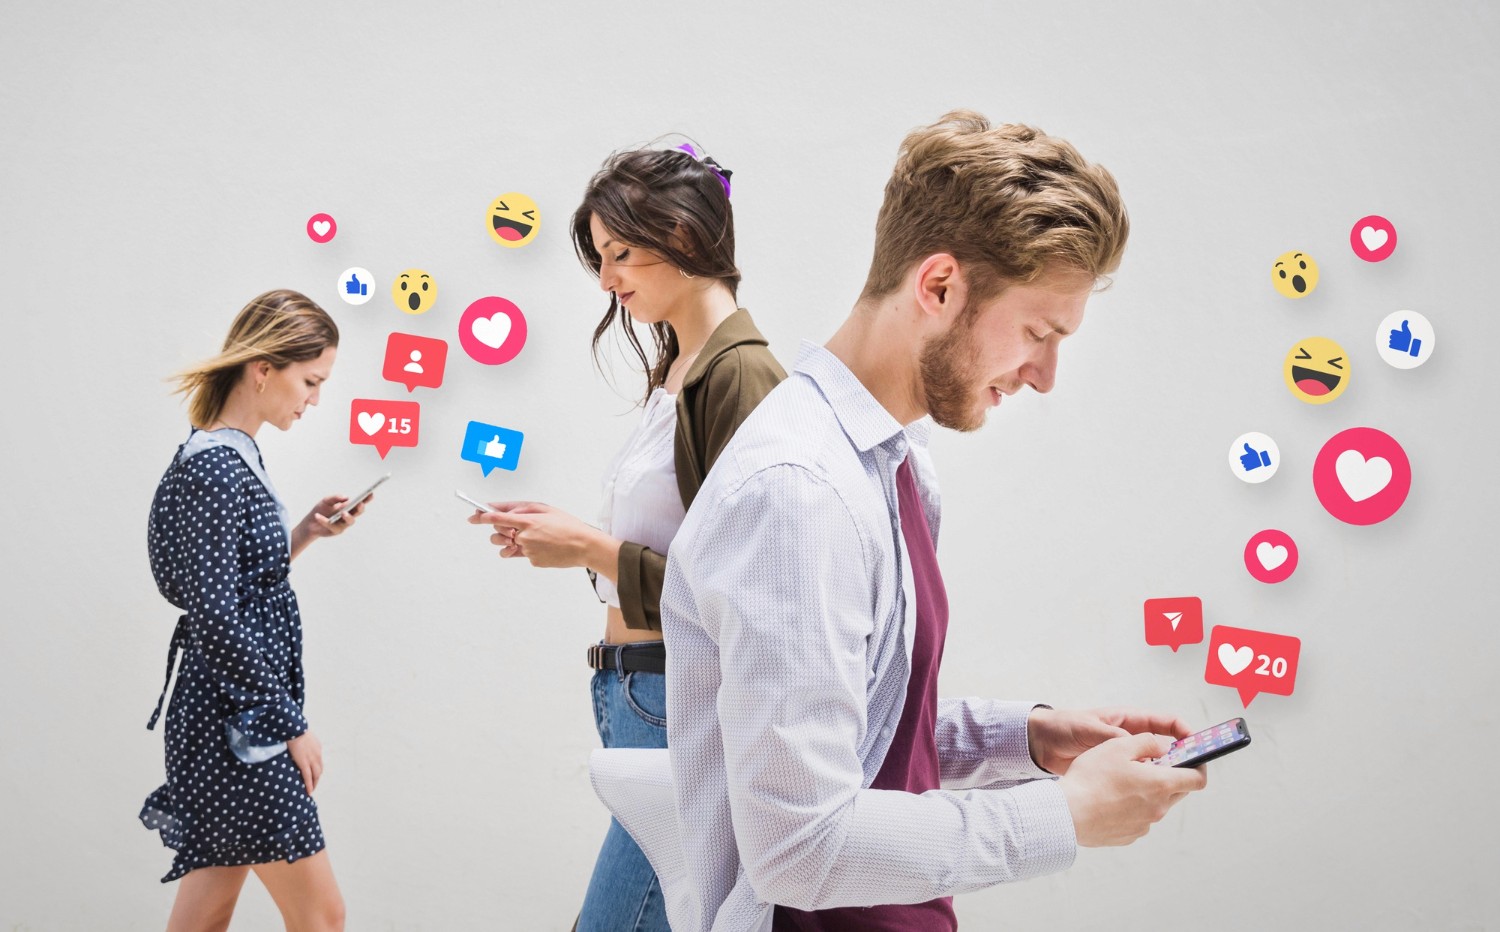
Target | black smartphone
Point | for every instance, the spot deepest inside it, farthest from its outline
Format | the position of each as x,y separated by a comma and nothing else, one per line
1207,744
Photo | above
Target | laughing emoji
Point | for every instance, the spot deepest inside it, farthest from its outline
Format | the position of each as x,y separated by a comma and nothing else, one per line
1295,274
1316,370
512,220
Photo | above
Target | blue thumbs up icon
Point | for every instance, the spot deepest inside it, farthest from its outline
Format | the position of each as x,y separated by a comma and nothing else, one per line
1402,342
1253,457
1405,339
354,285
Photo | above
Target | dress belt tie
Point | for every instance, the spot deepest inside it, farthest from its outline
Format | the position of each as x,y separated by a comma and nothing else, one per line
179,640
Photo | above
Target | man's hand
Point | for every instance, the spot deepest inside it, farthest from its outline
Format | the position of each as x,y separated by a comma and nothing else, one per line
1115,795
1058,737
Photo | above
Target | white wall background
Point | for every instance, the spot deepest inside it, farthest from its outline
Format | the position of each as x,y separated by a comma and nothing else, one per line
157,164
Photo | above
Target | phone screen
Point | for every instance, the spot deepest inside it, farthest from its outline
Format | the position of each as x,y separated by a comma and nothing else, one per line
1207,744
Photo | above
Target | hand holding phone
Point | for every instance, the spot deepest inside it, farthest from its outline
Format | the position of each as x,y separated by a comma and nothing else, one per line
1207,745
351,503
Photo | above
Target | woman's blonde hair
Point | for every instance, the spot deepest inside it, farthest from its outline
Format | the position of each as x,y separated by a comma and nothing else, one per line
281,327
1007,202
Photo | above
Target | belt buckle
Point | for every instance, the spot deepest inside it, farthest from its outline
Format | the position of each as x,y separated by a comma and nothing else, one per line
596,656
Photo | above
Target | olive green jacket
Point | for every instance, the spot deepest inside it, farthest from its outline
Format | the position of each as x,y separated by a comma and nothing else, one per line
732,373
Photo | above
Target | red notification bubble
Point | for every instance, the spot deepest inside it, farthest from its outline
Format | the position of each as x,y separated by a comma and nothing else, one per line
1174,622
384,424
413,360
1252,662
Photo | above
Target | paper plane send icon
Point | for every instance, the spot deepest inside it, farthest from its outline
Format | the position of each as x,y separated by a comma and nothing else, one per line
1174,622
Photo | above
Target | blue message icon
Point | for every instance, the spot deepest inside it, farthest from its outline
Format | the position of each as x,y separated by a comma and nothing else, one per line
492,447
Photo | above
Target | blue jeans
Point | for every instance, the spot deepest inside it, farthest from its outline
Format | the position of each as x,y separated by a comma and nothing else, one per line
631,712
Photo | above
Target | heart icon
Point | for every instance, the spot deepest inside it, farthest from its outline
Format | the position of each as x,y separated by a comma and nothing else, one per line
321,227
492,331
1373,238
371,421
1362,478
1270,555
1233,661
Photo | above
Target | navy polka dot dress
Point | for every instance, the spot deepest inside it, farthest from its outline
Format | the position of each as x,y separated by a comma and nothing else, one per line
219,552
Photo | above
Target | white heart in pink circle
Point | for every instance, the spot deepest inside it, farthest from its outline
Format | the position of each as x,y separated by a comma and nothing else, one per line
1270,555
1373,238
1362,478
491,331
320,227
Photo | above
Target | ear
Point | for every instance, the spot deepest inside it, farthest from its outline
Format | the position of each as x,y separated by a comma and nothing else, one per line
680,242
939,286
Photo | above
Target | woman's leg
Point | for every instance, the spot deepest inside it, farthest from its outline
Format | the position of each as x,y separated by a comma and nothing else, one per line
205,899
623,894
305,892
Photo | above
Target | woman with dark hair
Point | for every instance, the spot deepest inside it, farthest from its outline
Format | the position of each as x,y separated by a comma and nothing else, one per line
657,229
241,763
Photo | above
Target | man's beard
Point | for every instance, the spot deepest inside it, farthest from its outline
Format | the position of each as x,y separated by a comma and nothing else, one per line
949,366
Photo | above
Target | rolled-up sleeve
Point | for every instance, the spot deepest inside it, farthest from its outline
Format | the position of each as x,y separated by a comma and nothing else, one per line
263,714
782,581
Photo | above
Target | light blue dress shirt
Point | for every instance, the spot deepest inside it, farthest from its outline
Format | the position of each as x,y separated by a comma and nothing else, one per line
788,617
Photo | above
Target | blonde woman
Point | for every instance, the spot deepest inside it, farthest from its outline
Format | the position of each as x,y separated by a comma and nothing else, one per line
241,762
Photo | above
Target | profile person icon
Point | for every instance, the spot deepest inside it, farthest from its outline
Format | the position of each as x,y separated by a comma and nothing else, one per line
416,363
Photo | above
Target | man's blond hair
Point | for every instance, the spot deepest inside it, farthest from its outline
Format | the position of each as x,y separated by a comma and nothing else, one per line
1007,202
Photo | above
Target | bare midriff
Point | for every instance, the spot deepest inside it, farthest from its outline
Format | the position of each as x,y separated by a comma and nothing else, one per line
615,631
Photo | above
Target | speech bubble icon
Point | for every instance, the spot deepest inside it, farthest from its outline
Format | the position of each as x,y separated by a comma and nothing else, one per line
1174,622
413,360
383,424
491,447
1252,662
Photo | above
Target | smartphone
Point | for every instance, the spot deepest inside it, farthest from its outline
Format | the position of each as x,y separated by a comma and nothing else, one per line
1207,744
344,508
480,505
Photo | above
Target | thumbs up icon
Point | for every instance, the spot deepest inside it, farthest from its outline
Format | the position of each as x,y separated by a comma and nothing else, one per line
354,286
1405,339
495,448
1254,459
1402,342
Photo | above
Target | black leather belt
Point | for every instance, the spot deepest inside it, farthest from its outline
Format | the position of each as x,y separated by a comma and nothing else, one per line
645,657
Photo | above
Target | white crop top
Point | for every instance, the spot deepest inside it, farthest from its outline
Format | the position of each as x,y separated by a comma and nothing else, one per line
641,502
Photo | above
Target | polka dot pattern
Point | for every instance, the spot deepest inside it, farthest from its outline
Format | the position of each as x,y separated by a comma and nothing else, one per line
219,552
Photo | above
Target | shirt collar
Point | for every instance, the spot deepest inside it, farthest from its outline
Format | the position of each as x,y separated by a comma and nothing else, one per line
245,445
866,421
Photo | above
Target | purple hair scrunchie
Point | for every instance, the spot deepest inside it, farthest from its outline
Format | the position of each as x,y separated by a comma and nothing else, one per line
713,166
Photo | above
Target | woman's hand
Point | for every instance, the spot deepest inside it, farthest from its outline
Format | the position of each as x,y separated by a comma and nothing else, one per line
317,525
307,753
548,536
